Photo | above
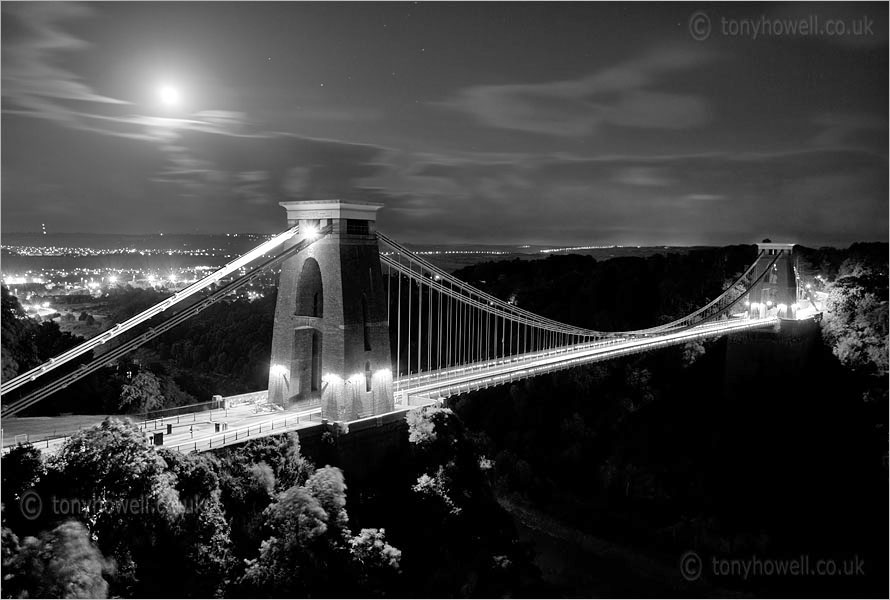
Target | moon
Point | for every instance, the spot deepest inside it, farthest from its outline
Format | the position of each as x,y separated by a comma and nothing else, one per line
169,96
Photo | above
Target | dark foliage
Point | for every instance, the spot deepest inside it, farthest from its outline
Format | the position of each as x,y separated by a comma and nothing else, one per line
755,447
616,294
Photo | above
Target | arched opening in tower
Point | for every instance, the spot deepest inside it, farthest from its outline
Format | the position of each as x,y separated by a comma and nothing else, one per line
366,331
310,294
307,365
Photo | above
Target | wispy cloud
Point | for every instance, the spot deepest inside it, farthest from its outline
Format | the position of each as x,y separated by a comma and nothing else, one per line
625,95
34,83
211,154
263,168
852,130
828,195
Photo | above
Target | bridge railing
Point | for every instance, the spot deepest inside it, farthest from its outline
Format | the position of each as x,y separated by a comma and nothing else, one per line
162,413
188,414
283,424
249,398
416,378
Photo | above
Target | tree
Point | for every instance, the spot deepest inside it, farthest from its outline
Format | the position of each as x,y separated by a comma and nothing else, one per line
22,468
310,551
141,394
61,563
17,346
376,562
197,548
692,351
329,488
288,563
421,426
115,482
856,318
451,501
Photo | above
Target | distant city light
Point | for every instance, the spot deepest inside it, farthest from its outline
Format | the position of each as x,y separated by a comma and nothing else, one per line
572,249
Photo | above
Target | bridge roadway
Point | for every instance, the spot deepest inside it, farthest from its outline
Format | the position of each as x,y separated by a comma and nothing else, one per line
430,388
436,385
189,431
197,432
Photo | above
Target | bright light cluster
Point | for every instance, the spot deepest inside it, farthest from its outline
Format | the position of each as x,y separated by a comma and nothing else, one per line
355,378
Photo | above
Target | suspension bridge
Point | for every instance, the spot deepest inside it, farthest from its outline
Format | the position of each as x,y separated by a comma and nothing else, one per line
366,329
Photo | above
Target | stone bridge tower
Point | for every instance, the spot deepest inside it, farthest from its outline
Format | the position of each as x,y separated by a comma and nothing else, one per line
330,342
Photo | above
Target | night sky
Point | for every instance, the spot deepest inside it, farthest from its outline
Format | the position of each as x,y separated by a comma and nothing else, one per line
488,123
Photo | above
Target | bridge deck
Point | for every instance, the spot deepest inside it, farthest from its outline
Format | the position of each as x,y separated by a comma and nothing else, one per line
197,431
445,383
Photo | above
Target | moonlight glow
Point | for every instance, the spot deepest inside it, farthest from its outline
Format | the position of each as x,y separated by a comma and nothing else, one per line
169,96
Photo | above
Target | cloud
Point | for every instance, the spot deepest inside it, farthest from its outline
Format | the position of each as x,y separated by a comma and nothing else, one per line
852,130
34,84
646,176
214,160
33,81
622,95
219,170
209,156
264,168
818,197
705,197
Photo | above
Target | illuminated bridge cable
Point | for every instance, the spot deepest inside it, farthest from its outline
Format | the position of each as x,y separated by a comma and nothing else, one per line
40,394
471,326
475,297
481,321
716,307
398,249
68,356
463,291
